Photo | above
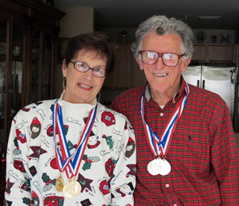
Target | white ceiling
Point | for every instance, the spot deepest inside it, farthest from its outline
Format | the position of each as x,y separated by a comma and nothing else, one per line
129,13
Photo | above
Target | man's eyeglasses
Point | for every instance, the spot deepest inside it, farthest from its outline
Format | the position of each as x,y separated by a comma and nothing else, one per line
83,67
168,59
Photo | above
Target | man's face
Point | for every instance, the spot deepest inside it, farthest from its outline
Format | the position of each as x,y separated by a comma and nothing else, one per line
163,79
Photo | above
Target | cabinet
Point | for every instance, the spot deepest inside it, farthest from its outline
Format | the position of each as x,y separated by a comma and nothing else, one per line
28,45
214,53
127,73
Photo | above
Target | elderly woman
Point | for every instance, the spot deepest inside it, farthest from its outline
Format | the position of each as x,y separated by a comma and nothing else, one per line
73,150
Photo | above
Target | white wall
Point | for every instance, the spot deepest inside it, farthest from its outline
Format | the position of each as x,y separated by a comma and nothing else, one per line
76,21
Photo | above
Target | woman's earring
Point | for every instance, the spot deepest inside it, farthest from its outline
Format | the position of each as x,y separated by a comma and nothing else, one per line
64,82
98,97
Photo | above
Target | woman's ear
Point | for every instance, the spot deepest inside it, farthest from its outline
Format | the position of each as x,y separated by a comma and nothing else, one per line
64,68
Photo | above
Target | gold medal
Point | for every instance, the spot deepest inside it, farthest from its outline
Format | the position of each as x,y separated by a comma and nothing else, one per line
71,189
59,184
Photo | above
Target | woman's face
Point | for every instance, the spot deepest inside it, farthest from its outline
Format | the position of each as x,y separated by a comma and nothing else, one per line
83,87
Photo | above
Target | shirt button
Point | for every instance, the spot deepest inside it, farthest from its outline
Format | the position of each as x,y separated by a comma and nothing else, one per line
161,114
167,185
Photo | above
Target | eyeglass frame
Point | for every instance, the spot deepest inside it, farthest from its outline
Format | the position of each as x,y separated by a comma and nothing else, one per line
89,68
160,55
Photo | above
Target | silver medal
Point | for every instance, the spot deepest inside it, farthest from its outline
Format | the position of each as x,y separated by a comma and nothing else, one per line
159,166
152,167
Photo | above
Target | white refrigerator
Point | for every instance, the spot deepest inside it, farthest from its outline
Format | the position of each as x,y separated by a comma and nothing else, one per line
219,80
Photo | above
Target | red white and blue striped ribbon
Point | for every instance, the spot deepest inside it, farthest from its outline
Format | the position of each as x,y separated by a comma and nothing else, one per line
160,145
67,162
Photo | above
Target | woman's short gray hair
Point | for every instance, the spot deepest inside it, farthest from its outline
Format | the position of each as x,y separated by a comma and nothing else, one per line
162,25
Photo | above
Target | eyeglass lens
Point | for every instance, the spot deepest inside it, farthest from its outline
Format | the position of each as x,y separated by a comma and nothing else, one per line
82,67
169,59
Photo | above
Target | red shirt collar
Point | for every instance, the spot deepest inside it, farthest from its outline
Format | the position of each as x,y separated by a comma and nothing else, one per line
175,99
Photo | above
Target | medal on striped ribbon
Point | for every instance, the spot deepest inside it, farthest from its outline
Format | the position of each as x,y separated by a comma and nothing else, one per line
70,163
159,145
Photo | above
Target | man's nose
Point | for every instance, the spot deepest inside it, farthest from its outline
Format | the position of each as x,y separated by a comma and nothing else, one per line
159,63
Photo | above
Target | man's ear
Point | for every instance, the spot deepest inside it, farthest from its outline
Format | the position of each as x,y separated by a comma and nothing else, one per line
185,64
139,63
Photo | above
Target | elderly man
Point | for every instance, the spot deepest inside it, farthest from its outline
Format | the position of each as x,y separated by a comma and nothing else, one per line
186,148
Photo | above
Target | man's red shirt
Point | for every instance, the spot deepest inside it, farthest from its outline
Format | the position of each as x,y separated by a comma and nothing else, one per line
203,152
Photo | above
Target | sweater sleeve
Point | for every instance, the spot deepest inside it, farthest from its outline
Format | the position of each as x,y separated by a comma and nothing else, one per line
123,182
17,191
